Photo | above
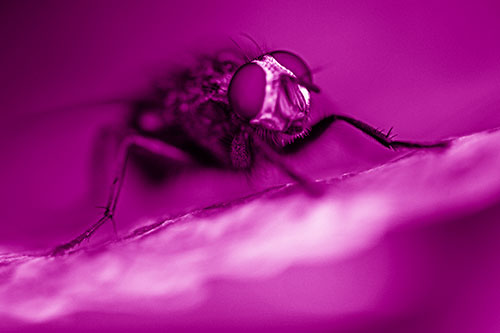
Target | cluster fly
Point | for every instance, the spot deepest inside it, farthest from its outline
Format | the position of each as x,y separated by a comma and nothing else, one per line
225,111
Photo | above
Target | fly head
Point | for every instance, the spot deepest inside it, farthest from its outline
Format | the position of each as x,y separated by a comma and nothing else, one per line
272,94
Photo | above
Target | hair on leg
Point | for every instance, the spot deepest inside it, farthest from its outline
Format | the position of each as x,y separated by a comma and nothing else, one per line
386,139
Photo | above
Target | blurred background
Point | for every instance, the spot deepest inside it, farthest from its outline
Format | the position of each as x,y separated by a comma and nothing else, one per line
430,69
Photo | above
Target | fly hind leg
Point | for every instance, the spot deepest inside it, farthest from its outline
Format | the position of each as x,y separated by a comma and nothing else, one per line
154,146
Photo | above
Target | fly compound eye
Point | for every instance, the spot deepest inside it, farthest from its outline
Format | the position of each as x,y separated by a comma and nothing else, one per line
247,91
297,66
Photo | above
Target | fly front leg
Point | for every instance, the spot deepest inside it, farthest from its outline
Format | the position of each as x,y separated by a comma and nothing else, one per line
385,139
154,146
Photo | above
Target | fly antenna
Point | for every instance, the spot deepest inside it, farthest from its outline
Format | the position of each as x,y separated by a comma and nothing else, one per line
247,36
241,49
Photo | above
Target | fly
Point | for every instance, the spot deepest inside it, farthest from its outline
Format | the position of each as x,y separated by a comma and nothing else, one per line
224,112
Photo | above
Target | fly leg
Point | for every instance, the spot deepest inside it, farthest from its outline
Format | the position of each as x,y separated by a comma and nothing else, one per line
305,182
154,146
384,139
319,128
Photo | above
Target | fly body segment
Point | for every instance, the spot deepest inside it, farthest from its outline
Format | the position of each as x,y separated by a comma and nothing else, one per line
226,111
